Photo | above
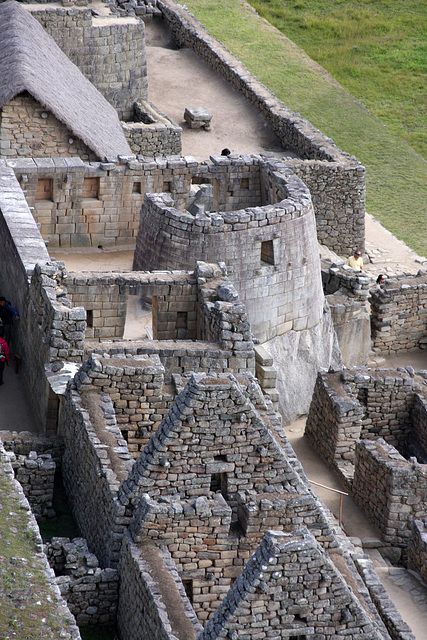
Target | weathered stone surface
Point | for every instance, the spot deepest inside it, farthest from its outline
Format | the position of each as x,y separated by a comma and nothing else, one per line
298,355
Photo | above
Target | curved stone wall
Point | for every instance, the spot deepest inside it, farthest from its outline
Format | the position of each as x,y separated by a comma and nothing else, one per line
271,251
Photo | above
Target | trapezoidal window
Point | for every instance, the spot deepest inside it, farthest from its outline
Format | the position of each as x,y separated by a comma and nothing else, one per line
267,252
44,189
136,187
90,188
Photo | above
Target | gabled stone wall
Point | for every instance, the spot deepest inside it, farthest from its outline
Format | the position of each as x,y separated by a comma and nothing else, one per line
289,583
27,128
336,180
135,386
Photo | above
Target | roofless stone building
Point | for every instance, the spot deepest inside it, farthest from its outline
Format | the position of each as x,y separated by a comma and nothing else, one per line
196,517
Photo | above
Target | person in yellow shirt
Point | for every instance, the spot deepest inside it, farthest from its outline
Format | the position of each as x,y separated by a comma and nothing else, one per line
355,261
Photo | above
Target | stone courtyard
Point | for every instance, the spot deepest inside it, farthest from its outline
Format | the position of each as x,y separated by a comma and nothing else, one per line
162,392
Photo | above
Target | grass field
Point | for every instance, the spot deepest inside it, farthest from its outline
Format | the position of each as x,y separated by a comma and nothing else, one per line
376,50
396,175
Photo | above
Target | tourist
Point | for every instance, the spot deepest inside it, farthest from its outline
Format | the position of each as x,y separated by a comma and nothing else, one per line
4,353
225,152
355,261
380,280
7,314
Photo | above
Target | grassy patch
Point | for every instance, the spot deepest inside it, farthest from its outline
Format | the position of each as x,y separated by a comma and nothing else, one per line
396,177
27,608
376,50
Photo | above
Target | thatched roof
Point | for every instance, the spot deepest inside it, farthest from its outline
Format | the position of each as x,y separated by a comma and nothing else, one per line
31,61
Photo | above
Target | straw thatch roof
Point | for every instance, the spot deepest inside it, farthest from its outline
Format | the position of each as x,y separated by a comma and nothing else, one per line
31,61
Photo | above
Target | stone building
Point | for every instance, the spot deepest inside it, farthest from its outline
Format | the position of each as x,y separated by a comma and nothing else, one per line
197,518
47,107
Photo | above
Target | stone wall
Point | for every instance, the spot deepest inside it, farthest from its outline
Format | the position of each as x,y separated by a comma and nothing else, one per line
336,180
23,442
28,583
91,593
391,490
271,252
98,204
153,602
418,440
178,357
96,459
355,405
27,128
202,306
122,77
226,544
135,386
352,324
338,277
152,133
48,328
399,314
36,475
290,581
417,556
105,297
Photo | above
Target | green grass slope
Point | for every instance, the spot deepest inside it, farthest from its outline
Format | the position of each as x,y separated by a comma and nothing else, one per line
396,176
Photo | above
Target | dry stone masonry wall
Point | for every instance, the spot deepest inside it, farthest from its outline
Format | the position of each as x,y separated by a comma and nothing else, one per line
391,490
28,129
121,77
269,250
399,314
91,593
272,589
363,424
336,180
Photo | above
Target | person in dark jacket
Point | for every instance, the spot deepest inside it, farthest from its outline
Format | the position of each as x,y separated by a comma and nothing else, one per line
4,354
7,315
